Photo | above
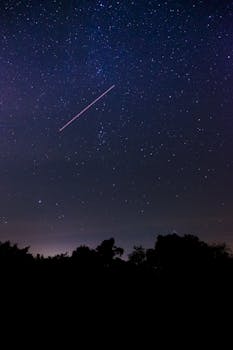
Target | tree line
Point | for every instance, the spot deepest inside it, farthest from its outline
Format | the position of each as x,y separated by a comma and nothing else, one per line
171,253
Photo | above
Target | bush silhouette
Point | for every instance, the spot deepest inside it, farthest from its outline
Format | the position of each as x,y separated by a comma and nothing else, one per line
173,258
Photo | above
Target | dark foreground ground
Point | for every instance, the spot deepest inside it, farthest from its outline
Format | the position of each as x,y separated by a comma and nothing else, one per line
180,283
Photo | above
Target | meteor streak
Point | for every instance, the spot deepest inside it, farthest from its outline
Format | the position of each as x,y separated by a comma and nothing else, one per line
86,108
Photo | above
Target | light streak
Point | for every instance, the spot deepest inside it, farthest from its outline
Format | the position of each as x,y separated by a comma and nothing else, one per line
86,108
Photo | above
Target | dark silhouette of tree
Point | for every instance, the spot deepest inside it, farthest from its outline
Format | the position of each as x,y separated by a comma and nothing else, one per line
107,251
138,256
190,258
174,260
174,251
13,254
151,259
84,257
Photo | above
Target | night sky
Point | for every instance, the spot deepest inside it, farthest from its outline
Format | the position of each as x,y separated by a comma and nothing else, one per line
154,156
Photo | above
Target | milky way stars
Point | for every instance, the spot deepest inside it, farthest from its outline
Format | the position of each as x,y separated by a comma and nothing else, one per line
153,156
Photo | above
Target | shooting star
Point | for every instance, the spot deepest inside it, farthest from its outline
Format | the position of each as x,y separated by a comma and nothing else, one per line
86,108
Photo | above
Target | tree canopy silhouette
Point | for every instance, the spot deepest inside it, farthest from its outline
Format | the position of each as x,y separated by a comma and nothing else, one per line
172,257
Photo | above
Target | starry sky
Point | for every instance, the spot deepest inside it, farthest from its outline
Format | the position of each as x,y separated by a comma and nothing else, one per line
154,156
